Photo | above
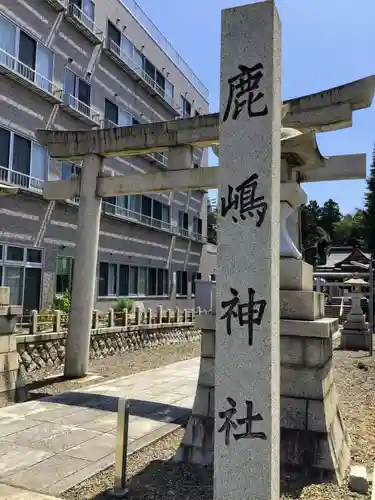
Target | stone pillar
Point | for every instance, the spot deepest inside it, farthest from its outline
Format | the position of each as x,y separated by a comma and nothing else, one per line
247,377
313,436
84,277
355,333
8,347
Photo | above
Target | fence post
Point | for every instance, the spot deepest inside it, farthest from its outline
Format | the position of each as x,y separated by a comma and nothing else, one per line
57,321
149,316
185,316
169,316
95,319
125,317
198,311
111,317
137,316
177,315
122,431
159,315
34,322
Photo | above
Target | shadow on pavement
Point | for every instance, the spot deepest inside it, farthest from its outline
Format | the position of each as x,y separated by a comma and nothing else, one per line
155,411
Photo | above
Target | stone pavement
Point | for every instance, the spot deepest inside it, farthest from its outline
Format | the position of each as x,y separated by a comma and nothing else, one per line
13,493
54,443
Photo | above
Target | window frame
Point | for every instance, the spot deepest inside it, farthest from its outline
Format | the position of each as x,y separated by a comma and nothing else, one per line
158,270
77,79
70,274
38,43
23,265
179,289
10,169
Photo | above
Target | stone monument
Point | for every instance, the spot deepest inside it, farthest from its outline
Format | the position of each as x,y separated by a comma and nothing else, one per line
355,333
247,377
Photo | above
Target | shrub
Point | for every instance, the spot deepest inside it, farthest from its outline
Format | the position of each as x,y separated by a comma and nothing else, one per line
122,304
63,302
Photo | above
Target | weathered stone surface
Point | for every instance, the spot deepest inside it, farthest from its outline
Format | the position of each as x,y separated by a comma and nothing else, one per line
303,305
295,275
249,256
358,480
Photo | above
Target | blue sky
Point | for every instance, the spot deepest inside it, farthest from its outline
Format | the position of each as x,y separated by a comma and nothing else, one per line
325,43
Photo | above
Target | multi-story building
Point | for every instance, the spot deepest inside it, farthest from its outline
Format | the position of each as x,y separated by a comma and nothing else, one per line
76,64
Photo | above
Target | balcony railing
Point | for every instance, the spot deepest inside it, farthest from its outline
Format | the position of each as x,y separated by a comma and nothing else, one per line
125,213
146,23
28,77
80,110
183,232
57,4
198,236
85,24
106,123
159,158
130,63
20,179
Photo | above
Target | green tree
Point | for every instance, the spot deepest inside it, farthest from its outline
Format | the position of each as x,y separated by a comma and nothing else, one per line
329,216
350,230
310,216
211,223
369,212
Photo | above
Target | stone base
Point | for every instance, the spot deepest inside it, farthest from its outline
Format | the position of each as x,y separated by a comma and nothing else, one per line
197,445
354,340
313,438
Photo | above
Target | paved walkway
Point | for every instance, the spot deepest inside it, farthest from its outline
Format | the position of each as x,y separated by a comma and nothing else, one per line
52,444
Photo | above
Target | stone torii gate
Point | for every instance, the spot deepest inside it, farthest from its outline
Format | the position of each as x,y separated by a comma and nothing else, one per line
302,118
266,149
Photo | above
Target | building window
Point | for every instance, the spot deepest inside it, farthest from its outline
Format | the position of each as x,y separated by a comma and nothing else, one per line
64,274
15,254
126,50
24,55
68,170
21,271
183,223
107,279
185,107
123,280
194,278
34,255
141,208
77,93
181,283
22,162
88,9
197,225
163,282
13,278
133,280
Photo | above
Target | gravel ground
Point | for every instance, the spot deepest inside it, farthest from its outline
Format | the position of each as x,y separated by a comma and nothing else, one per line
49,381
153,477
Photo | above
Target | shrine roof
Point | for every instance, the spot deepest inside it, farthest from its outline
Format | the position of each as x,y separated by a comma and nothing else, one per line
346,255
